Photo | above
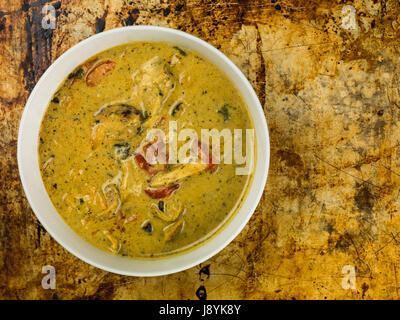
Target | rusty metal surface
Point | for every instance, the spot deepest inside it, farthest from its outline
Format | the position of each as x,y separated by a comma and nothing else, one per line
329,85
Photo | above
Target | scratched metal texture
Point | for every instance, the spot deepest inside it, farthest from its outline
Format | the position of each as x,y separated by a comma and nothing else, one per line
330,91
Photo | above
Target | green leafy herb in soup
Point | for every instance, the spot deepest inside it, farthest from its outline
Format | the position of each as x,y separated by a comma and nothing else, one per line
92,140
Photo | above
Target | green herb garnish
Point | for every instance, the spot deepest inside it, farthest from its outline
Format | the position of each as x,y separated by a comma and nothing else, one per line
122,150
225,112
182,52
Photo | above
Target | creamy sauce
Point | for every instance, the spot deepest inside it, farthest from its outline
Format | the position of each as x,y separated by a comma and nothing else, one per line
92,141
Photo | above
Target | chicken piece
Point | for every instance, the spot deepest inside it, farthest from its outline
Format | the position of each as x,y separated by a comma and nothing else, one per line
94,201
155,73
112,208
131,219
177,174
78,204
153,84
115,245
173,229
169,213
98,201
131,181
48,165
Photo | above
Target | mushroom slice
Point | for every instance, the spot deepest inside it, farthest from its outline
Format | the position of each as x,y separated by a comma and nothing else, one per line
111,192
173,229
179,173
122,110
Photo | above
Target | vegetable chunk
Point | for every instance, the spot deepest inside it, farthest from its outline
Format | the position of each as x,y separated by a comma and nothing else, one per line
162,193
96,75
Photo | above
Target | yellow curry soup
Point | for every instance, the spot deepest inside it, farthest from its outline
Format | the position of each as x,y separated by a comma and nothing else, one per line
92,139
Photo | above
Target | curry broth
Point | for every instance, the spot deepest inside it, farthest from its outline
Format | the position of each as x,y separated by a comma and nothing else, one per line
95,125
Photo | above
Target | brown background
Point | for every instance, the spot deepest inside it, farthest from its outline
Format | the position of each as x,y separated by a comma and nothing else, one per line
331,99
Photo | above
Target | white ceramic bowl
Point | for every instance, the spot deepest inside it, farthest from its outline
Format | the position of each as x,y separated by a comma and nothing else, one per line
28,160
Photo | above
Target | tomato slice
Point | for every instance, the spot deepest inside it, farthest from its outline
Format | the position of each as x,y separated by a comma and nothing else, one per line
162,193
145,165
97,74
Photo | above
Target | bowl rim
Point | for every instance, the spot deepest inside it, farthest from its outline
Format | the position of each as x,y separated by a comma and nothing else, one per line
196,257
